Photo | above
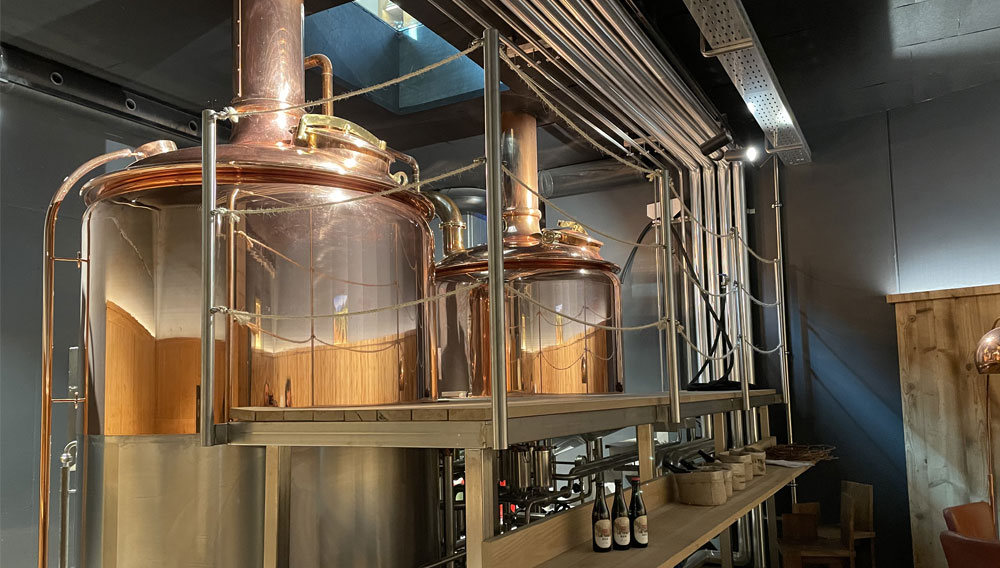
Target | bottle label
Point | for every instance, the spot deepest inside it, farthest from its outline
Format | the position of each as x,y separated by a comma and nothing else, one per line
602,533
622,537
641,530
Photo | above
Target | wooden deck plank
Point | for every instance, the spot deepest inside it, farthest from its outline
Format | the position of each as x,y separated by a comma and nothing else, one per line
474,409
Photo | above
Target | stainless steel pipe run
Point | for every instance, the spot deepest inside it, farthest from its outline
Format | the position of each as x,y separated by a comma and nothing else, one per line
742,262
587,177
663,198
574,79
495,243
209,189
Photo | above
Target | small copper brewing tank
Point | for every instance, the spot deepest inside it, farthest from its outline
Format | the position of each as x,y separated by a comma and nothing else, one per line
549,349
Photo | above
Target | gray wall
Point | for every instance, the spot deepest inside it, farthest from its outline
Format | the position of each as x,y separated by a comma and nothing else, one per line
895,201
41,141
622,213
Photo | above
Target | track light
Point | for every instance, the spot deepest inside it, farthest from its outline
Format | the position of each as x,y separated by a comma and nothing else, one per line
715,143
748,154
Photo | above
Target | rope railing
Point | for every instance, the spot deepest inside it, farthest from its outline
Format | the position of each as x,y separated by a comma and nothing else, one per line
236,214
662,323
246,317
755,299
230,113
708,357
761,350
697,284
752,252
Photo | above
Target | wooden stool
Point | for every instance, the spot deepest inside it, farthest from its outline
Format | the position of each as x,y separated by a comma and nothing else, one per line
800,543
864,515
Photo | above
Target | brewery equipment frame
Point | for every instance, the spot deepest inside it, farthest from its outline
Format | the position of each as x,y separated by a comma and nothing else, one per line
481,428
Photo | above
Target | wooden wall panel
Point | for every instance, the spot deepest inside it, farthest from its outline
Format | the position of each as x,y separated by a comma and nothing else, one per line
151,385
363,372
178,375
944,412
129,359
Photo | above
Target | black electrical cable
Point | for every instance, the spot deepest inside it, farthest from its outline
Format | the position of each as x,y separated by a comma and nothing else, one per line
718,318
631,256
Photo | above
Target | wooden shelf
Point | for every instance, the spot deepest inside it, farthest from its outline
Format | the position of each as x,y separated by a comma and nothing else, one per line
467,423
675,532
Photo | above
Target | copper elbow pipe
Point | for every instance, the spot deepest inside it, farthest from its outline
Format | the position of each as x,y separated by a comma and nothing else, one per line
48,303
520,154
326,68
452,224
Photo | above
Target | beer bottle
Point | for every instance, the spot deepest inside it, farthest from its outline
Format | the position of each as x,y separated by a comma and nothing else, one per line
637,519
601,519
619,519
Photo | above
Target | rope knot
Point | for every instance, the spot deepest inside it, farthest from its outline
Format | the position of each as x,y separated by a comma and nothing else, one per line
222,212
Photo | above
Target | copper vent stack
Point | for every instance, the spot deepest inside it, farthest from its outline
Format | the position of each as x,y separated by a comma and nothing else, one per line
521,214
267,68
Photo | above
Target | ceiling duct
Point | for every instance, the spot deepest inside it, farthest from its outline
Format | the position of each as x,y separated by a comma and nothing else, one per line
726,28
623,89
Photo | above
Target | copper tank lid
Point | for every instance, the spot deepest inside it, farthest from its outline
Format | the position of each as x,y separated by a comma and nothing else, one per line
325,150
566,247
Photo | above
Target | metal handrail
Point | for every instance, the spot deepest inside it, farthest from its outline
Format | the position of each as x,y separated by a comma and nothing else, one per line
209,190
494,243
48,304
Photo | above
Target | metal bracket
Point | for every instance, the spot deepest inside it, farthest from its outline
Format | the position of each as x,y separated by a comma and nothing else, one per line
738,45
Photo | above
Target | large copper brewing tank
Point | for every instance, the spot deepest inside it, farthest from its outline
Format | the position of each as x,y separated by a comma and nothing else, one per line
559,269
142,239
155,497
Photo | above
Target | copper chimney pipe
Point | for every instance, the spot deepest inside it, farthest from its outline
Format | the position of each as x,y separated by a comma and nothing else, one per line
267,68
520,154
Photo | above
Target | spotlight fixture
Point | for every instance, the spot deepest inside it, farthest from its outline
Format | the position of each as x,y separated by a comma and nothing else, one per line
715,143
748,154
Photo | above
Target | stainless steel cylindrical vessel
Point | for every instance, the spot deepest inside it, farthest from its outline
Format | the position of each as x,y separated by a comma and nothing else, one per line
363,507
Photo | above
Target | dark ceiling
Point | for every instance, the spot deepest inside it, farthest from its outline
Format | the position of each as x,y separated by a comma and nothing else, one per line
834,60
850,58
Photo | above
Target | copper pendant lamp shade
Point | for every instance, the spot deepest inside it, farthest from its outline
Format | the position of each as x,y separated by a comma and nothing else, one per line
988,351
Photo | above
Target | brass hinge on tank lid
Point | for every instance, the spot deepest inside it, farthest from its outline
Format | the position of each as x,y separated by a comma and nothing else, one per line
572,225
306,133
570,233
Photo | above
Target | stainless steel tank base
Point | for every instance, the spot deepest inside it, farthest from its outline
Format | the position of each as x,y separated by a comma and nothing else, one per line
371,507
166,501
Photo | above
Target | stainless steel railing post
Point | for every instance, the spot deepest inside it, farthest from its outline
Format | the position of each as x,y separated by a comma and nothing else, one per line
779,286
494,229
673,387
208,197
738,344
